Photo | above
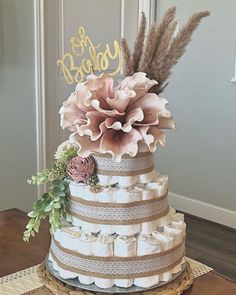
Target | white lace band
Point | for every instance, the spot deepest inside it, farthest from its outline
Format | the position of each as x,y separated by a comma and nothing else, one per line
117,267
119,213
128,166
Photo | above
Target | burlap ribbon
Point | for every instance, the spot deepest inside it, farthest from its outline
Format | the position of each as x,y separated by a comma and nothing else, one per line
119,213
56,287
114,267
128,166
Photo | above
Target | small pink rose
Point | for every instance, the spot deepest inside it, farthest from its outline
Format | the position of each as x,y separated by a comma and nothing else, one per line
80,169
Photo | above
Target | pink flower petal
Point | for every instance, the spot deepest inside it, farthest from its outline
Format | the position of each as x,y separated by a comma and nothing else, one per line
139,83
167,123
118,143
112,123
152,136
94,126
153,107
82,95
101,89
135,115
71,114
121,99
132,117
85,145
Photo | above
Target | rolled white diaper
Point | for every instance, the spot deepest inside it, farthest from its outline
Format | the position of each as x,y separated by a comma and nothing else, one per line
162,179
68,237
167,242
159,187
126,195
125,246
78,189
172,211
85,243
146,244
85,246
177,233
107,195
64,274
104,247
89,196
147,177
126,181
147,194
82,191
69,218
177,218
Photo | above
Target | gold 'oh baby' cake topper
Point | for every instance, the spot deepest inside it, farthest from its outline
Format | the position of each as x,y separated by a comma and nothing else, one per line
98,60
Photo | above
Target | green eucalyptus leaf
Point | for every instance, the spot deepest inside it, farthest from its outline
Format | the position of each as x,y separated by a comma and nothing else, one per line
56,182
36,226
61,186
48,208
52,194
57,205
55,190
61,194
32,214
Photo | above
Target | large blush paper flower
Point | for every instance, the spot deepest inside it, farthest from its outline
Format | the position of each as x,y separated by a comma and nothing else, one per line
111,120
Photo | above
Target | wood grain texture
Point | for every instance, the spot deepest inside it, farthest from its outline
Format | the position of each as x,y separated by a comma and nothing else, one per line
16,255
212,244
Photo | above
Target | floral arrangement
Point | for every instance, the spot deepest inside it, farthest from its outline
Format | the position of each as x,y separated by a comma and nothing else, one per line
54,203
108,119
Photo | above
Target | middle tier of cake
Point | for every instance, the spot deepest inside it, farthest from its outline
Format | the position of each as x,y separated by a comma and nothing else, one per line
121,210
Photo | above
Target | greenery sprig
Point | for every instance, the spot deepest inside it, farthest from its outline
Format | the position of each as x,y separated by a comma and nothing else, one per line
54,202
58,170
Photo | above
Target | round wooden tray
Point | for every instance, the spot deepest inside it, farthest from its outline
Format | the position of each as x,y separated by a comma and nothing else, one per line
176,287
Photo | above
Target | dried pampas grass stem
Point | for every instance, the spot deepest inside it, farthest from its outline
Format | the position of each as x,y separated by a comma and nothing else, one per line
139,43
166,20
127,58
160,51
149,49
177,48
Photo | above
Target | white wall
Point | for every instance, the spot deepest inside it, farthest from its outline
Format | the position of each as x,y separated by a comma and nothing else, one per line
200,157
17,104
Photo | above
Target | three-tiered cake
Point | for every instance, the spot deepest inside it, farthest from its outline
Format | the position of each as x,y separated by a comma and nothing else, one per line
122,230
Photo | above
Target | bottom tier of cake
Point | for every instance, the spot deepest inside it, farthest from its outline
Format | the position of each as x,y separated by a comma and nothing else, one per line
123,261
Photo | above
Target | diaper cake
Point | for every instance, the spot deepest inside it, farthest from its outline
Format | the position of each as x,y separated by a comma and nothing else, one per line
111,223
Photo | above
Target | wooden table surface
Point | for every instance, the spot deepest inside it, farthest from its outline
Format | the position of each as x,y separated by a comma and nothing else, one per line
16,255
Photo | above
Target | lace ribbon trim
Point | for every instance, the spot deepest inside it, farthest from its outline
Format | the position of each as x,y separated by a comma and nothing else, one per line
114,267
128,166
119,213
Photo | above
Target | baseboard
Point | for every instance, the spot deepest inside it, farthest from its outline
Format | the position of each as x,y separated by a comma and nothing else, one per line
203,210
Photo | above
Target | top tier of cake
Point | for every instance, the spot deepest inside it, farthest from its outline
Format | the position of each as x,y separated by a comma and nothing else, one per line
127,172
